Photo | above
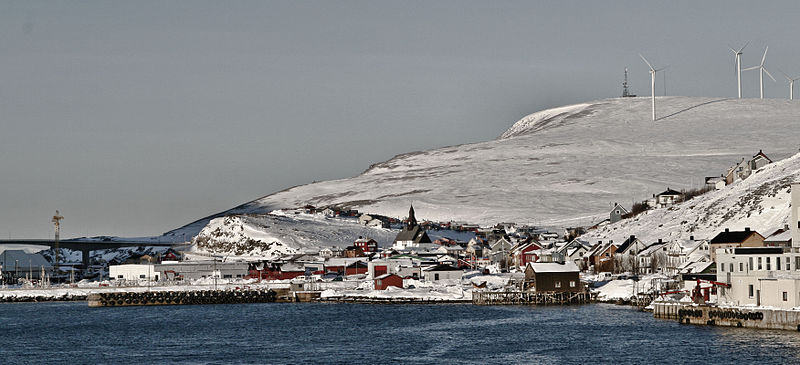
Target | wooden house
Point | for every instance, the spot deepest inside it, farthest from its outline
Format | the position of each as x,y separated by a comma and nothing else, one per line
386,280
552,277
728,238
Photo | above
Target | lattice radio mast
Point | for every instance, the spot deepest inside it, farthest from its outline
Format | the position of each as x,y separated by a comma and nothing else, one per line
57,222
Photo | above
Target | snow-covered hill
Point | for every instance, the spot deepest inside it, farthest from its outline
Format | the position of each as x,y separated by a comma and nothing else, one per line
282,233
761,202
563,166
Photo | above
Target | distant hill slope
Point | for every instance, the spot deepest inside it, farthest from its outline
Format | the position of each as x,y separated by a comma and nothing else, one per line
562,166
760,202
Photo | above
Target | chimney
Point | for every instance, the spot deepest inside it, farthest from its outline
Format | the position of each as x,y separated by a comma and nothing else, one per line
691,238
727,230
600,242
660,241
747,229
633,237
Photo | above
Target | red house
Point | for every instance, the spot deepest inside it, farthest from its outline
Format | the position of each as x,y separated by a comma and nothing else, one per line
386,280
366,244
357,267
526,253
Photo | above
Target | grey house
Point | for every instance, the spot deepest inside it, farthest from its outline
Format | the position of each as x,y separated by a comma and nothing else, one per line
617,212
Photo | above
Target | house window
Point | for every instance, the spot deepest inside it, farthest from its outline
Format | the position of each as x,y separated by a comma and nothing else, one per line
750,290
777,263
558,284
741,266
722,266
730,267
122,277
435,276
785,296
750,264
759,263
768,268
797,263
788,264
572,283
141,276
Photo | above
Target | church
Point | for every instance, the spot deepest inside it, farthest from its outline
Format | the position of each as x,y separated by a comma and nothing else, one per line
412,234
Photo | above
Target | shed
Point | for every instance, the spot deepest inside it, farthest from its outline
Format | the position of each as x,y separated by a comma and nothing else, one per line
386,280
553,277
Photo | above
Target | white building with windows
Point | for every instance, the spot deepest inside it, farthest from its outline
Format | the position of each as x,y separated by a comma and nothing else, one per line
763,276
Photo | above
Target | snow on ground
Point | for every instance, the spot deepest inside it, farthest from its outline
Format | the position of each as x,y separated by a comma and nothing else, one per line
283,233
760,202
625,289
564,166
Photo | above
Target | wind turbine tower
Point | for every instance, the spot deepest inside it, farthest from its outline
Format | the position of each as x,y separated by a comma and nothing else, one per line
791,85
738,55
652,84
625,93
761,71
57,222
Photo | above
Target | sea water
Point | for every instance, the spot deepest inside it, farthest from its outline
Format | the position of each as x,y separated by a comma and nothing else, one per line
322,333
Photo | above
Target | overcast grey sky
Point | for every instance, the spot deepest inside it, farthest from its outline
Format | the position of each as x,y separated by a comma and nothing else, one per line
137,117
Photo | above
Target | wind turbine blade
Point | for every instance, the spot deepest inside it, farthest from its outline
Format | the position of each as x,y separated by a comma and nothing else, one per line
751,68
663,68
732,50
745,45
765,56
785,75
648,63
769,74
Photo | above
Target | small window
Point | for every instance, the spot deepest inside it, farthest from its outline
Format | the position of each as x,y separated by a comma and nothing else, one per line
722,266
141,276
788,264
558,284
750,264
785,296
435,276
777,263
750,290
572,283
741,266
768,267
120,277
759,263
617,212
730,267
797,263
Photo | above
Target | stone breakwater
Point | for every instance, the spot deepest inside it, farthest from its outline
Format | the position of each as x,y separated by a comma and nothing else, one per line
743,317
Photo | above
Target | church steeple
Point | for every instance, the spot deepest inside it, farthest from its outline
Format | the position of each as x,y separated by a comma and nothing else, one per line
412,220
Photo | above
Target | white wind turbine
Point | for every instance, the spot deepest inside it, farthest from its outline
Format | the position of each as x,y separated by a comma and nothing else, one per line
738,55
761,71
791,85
652,83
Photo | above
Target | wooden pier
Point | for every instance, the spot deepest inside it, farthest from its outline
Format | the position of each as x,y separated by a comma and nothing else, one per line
529,297
124,299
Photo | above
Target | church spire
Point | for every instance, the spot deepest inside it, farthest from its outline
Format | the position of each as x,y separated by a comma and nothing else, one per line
412,220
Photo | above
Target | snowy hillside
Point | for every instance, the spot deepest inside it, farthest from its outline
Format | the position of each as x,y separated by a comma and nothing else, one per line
282,233
563,166
761,202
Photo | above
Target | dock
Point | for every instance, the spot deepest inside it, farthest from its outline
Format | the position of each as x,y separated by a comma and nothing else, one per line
711,315
530,297
124,299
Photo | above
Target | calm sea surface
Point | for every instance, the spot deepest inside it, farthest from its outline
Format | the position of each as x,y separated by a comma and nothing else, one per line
368,334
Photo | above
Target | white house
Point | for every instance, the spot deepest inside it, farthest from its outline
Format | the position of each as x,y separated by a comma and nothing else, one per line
133,272
441,272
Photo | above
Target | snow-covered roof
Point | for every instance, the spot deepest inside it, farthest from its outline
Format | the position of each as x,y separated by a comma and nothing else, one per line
541,267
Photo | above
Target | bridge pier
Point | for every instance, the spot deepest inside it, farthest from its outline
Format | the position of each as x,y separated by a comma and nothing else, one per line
86,255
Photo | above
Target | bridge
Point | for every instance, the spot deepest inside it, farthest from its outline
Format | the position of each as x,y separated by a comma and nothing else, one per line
87,246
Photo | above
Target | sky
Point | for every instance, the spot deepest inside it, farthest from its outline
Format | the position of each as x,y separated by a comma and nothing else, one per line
136,117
